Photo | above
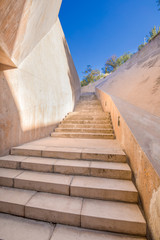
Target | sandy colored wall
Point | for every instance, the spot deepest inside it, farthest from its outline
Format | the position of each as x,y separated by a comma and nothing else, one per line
138,80
141,142
132,95
44,85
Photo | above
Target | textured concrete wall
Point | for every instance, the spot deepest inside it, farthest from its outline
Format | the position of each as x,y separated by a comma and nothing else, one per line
132,95
138,80
39,84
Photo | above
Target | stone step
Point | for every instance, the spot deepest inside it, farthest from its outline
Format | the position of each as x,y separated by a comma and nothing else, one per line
92,214
88,98
88,109
84,130
82,135
88,106
29,180
107,155
86,117
104,189
19,228
31,230
79,186
113,216
90,113
66,121
89,103
65,125
94,168
72,167
63,232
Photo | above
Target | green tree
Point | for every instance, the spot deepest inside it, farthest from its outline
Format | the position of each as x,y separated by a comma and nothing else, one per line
154,31
141,46
110,65
113,62
90,76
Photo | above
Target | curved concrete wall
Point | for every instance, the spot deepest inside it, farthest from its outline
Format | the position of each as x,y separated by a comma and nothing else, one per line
138,80
40,85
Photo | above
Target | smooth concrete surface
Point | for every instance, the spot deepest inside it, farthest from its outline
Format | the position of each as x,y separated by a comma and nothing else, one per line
31,229
105,189
13,201
79,186
108,215
93,214
138,80
20,19
68,148
38,164
43,182
111,170
48,142
138,133
7,176
17,228
65,166
72,167
73,233
83,135
11,161
54,208
37,94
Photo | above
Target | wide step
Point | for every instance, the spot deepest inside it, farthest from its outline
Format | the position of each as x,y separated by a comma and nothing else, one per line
80,186
63,232
107,121
31,230
93,214
113,216
105,189
97,126
84,130
71,153
83,135
72,167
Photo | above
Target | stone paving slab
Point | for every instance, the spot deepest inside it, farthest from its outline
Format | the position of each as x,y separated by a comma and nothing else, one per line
17,228
62,232
7,176
65,166
76,143
113,216
38,164
14,200
54,208
11,161
44,182
105,189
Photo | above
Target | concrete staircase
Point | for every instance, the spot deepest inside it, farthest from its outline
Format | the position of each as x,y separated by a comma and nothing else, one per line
84,183
87,121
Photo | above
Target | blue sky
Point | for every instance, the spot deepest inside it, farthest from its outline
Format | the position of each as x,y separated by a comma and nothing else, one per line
96,30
